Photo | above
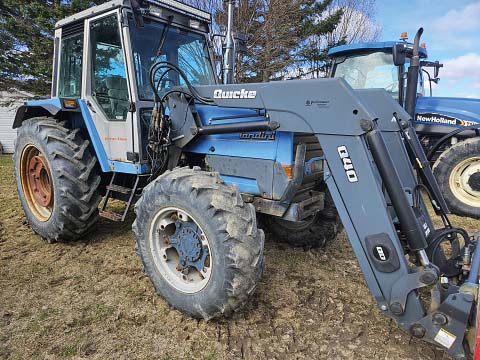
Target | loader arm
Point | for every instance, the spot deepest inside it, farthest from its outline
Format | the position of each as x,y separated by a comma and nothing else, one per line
373,184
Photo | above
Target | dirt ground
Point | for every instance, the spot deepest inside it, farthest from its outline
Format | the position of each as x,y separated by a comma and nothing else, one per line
90,299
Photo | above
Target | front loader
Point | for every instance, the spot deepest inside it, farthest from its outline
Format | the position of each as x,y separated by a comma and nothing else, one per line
138,115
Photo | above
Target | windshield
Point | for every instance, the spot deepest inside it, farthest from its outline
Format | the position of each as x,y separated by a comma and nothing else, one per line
186,49
374,70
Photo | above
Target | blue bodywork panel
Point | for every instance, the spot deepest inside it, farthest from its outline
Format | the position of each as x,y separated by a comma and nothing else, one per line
54,106
268,145
357,47
245,185
106,164
457,112
276,145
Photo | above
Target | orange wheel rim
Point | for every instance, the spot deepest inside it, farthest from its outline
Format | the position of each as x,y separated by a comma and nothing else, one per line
37,183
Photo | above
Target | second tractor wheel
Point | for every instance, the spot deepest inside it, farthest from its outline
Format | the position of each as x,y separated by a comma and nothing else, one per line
457,171
199,242
56,178
313,232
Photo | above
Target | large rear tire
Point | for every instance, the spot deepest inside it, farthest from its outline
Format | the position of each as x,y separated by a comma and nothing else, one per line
314,232
56,178
199,242
457,171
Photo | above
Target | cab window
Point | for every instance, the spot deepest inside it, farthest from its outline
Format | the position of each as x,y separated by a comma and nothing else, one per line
186,49
109,79
70,79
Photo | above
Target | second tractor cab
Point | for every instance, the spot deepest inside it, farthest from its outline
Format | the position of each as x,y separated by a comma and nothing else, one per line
447,127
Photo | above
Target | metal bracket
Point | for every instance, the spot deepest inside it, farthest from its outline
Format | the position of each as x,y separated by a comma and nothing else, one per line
298,169
406,284
447,325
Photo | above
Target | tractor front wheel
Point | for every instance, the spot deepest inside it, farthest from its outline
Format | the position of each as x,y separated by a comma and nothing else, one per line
457,171
198,242
56,178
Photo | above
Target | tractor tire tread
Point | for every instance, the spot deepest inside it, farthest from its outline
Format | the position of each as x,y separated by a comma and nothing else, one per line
324,228
443,167
76,179
235,224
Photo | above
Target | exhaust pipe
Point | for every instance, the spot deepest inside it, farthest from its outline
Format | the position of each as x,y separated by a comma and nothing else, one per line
228,69
412,77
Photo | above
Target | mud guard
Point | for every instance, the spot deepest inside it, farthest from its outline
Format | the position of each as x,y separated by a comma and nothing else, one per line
34,108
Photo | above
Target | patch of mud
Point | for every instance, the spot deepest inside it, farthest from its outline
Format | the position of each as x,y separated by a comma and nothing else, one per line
90,299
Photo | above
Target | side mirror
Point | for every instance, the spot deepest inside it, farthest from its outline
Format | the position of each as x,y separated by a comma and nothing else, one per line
399,54
437,69
240,43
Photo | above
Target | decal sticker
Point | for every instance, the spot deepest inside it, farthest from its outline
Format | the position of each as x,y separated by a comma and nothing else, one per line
116,139
234,94
426,229
318,103
347,164
433,118
381,253
262,135
445,339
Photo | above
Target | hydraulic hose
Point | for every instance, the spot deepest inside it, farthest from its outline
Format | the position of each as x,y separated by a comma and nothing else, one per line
474,266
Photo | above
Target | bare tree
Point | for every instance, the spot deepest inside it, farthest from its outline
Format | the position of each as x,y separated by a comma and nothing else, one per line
288,39
357,22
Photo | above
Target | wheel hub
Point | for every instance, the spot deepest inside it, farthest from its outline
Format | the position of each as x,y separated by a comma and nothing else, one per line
474,181
465,181
40,180
180,250
37,182
188,244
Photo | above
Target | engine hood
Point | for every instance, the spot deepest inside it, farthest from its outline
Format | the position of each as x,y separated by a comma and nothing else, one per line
446,111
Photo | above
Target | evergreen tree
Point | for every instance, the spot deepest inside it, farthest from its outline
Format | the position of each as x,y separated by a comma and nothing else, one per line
282,37
27,33
315,25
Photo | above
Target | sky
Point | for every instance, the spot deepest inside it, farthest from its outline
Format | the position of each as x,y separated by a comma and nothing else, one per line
451,33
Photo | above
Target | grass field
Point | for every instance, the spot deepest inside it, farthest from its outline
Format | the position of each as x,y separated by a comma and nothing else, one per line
90,299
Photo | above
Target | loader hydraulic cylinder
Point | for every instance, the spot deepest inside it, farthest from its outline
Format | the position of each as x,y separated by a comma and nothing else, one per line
403,209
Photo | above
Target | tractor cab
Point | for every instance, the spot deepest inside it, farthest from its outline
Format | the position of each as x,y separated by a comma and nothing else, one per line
385,65
376,65
102,63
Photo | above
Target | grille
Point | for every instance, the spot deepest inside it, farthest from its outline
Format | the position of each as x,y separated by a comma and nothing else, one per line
73,29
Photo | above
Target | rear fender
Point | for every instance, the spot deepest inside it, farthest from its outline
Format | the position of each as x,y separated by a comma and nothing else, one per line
35,108
78,117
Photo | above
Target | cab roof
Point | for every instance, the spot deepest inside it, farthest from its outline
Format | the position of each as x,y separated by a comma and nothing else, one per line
369,47
172,5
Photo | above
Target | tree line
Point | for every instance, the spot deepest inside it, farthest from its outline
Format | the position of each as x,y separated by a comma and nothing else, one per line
285,39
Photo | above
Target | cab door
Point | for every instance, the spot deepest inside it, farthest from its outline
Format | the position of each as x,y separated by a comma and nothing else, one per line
107,89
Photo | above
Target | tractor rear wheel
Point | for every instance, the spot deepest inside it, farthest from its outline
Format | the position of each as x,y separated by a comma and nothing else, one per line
56,178
314,232
199,242
457,171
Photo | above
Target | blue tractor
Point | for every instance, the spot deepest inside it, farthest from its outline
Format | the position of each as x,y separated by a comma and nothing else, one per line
448,128
137,114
